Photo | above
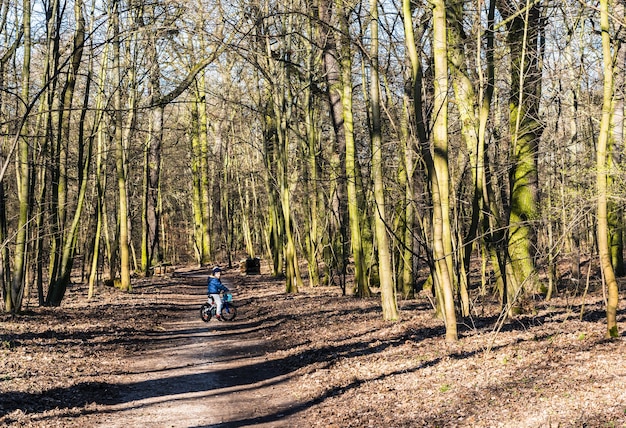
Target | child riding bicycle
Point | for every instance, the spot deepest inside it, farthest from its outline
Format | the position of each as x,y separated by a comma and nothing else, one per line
214,288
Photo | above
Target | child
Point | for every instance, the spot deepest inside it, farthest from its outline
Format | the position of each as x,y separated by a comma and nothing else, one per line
214,288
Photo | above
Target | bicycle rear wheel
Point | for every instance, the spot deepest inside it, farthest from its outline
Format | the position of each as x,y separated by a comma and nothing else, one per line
229,312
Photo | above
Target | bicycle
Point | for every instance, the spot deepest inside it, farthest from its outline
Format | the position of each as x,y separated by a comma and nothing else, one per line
208,310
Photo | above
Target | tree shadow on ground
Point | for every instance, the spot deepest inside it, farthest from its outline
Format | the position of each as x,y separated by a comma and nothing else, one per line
96,335
246,376
592,313
300,407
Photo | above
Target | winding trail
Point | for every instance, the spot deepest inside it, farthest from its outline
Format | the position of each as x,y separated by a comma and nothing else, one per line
195,374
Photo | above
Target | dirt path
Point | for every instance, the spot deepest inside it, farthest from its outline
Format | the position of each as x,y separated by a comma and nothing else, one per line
313,359
196,374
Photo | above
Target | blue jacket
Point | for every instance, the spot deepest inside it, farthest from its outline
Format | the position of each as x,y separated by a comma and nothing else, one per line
215,286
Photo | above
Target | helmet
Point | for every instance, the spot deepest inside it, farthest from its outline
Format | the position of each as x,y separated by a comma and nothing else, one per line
216,269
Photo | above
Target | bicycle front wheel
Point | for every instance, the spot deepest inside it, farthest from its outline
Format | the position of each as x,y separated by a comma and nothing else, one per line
229,312
205,312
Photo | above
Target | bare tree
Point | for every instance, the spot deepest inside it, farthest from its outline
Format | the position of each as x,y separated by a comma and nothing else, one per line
602,174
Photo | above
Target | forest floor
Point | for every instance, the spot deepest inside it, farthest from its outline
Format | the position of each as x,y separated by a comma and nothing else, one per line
313,359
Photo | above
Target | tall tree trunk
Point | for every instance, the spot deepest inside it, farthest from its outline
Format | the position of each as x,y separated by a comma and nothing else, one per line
46,176
441,273
442,235
69,248
465,97
282,110
53,137
100,175
492,223
387,288
206,173
60,281
202,174
13,302
418,109
151,216
525,128
421,119
616,145
572,95
407,258
123,240
196,185
361,287
338,233
312,239
274,222
244,205
5,261
602,175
